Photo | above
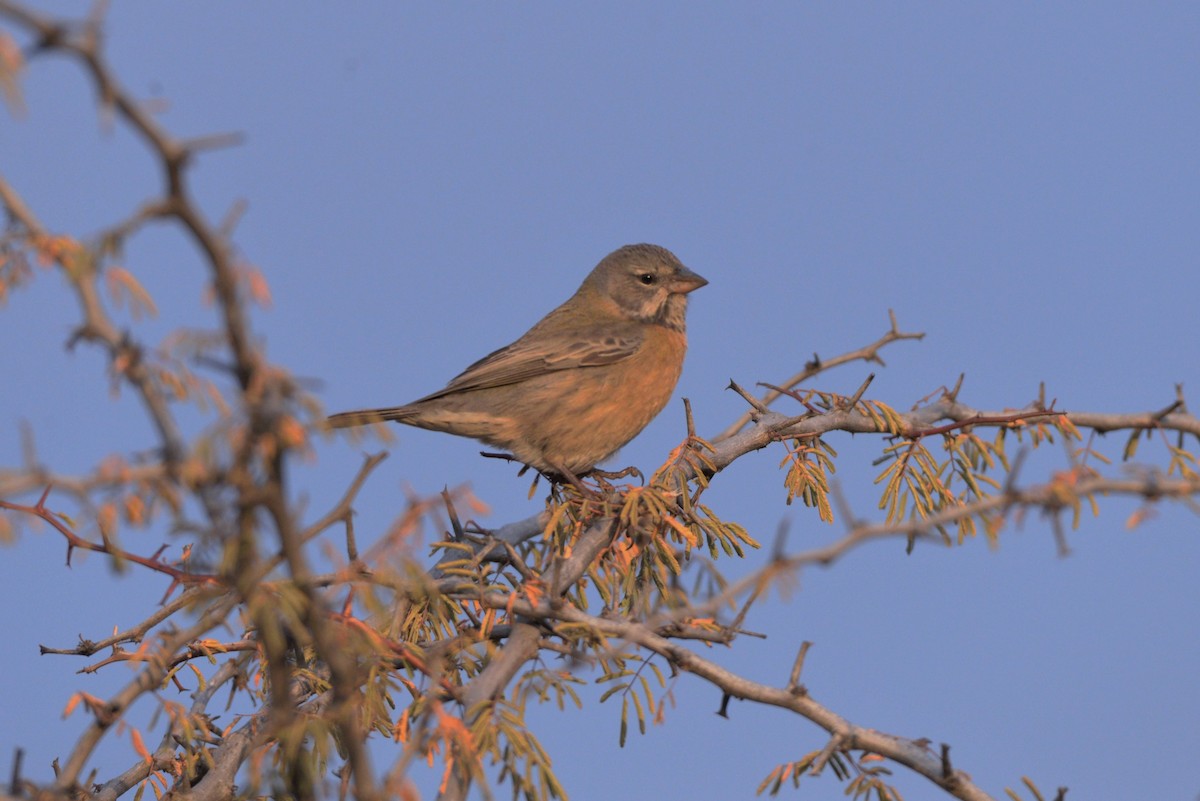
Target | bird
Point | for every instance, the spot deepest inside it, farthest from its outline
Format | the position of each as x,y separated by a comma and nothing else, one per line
582,382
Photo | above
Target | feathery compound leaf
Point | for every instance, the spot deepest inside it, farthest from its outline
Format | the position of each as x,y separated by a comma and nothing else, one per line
808,461
124,288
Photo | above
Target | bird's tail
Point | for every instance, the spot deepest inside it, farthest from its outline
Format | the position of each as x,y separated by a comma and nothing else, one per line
364,417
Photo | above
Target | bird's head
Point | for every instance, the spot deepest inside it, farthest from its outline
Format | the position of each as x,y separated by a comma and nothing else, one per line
647,283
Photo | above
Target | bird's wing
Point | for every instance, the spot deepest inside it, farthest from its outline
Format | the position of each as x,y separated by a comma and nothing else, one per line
533,356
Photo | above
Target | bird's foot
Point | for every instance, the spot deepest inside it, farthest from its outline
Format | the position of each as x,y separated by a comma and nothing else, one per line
604,476
564,476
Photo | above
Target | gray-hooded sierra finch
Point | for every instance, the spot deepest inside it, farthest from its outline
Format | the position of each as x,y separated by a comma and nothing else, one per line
582,382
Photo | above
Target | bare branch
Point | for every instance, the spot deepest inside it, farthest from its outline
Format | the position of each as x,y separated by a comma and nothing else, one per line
905,752
868,353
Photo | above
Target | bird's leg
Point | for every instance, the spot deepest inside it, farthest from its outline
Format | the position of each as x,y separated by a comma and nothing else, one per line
560,475
508,457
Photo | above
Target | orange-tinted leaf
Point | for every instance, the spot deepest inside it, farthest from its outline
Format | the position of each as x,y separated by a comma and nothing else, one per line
1138,517
50,249
123,286
135,509
533,591
291,432
400,730
106,518
11,64
260,293
72,702
139,745
217,399
682,530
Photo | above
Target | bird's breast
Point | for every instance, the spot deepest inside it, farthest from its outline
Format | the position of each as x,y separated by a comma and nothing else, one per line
587,414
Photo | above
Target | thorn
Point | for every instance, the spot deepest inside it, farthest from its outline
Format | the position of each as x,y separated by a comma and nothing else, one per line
14,785
1159,416
794,685
843,506
232,217
1060,536
750,399
862,389
777,551
791,393
724,710
953,394
1010,481
28,446
450,510
212,142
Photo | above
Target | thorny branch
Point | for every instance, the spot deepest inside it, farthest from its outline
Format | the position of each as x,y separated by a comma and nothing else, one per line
868,353
255,473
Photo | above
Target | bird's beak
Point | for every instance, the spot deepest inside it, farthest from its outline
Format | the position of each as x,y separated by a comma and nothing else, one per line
686,281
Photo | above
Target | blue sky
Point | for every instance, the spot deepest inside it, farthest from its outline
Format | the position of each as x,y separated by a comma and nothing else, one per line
424,182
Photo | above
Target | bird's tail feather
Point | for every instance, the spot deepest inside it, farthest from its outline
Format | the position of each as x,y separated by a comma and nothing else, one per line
364,417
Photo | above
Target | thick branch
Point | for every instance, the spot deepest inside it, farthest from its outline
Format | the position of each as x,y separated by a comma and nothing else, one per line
772,427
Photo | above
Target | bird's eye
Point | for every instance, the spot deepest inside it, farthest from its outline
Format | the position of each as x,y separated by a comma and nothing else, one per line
646,278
